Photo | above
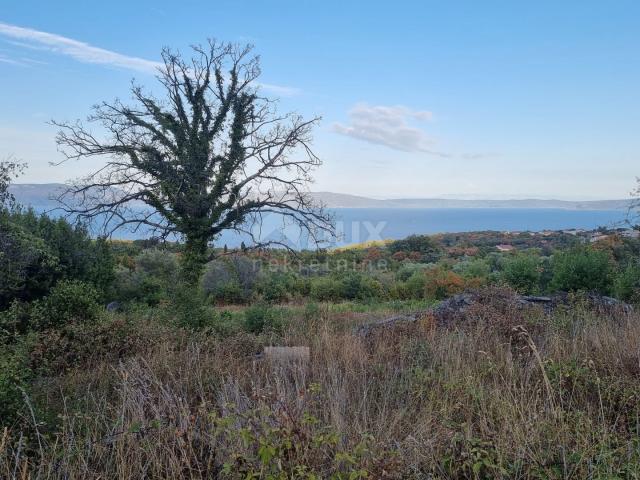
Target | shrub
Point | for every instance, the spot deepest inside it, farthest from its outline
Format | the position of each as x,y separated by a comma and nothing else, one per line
626,285
28,267
415,284
69,300
216,274
582,269
442,283
325,289
109,339
407,270
246,271
157,263
188,307
147,278
276,287
355,286
260,317
428,249
14,376
476,268
37,251
230,279
523,273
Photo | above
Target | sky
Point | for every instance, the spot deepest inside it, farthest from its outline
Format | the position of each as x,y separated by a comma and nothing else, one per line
487,99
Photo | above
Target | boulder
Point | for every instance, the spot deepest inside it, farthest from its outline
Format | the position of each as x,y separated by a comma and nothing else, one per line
113,306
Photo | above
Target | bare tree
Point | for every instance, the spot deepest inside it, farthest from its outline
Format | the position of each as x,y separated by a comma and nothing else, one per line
212,155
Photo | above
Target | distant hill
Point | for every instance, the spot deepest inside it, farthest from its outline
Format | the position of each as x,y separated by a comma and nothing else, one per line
37,195
341,200
40,197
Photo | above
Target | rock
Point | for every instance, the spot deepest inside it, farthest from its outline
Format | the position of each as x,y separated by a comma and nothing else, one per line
113,306
455,310
368,328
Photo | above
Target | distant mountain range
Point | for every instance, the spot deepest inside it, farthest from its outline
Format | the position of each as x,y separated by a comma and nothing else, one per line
339,200
40,197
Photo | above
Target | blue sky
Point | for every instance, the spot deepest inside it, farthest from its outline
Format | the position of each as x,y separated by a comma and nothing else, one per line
418,98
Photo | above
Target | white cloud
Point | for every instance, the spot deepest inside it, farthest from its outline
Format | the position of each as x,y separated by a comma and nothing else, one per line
280,89
389,126
86,53
11,61
80,51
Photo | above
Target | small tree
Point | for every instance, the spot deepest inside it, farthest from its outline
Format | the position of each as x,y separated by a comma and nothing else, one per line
212,155
9,169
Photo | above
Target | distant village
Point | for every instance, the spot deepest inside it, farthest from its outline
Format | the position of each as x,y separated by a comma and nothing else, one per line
585,236
483,242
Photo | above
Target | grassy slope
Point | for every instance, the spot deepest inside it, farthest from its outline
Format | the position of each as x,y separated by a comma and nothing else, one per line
503,397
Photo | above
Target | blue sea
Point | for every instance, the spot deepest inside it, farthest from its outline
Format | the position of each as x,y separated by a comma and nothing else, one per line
357,225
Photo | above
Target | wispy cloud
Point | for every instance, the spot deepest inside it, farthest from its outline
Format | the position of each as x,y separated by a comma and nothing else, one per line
86,53
280,89
11,61
389,126
80,51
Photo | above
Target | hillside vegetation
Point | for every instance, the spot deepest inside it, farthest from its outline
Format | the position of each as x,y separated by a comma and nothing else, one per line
169,381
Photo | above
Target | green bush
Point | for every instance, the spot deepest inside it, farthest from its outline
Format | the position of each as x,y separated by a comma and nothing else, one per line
276,287
28,267
408,269
137,286
582,269
157,263
476,268
230,279
355,286
37,251
523,273
77,344
14,377
626,285
430,251
225,323
68,301
325,289
415,285
149,278
260,317
189,308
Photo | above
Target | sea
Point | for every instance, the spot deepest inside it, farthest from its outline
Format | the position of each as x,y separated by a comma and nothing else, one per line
357,225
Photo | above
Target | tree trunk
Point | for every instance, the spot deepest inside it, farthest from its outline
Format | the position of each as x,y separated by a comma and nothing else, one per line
194,258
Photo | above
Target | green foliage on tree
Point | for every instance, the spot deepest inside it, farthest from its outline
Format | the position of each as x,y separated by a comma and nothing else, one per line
211,155
37,251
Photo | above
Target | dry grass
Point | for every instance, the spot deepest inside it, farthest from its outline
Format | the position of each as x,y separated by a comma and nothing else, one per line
553,398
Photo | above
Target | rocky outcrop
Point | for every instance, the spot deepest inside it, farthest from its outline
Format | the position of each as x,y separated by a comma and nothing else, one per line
455,310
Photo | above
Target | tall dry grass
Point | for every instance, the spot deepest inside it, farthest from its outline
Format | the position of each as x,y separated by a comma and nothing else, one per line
502,395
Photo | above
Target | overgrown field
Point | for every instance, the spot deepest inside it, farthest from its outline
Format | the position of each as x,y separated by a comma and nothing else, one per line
502,395
168,382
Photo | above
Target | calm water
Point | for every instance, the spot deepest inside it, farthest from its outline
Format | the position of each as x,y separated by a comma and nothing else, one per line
363,224
357,225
